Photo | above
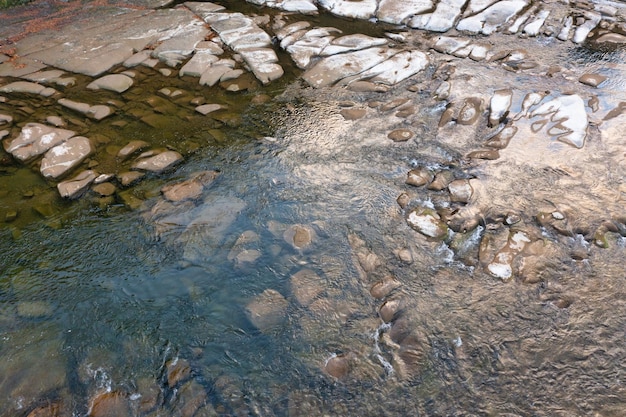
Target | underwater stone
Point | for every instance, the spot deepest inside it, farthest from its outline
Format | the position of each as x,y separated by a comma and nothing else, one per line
267,310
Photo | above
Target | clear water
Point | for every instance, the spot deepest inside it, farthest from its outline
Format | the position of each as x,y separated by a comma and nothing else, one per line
95,298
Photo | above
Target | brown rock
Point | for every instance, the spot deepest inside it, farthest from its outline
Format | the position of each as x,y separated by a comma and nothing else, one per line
339,366
131,148
352,114
189,189
470,111
403,200
389,310
76,186
400,135
109,404
177,370
104,189
593,80
306,285
299,236
192,396
460,191
267,310
384,287
418,177
129,177
489,154
50,410
441,180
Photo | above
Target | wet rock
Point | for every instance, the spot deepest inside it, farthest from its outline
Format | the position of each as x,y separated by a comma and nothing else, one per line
405,256
191,398
397,68
76,187
306,285
400,135
158,163
54,409
189,189
442,19
55,121
488,154
460,191
502,264
36,139
499,106
64,157
10,216
427,222
419,177
502,138
569,117
198,64
359,10
352,114
177,370
393,11
331,69
28,88
132,147
492,18
384,287
339,366
109,404
268,310
208,108
104,189
471,111
352,42
403,200
299,236
34,309
112,82
129,177
441,180
389,310
593,80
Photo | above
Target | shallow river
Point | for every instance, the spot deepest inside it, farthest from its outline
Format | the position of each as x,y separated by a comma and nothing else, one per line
98,298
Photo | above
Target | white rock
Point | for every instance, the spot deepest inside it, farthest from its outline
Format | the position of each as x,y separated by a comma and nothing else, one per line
442,19
112,82
28,88
532,29
303,50
213,74
476,6
583,30
292,28
159,162
74,105
5,119
76,186
208,108
137,59
449,44
62,158
397,68
44,76
333,68
396,11
35,139
489,20
362,9
499,105
351,43
198,63
565,30
264,64
569,117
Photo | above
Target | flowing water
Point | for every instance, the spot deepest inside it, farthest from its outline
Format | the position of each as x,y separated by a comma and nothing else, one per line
96,297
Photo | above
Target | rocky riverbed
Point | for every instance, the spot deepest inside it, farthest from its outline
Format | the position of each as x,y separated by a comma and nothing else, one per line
403,208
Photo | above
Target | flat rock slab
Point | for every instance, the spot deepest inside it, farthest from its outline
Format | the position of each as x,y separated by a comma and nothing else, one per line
36,139
333,68
62,158
75,187
159,162
28,88
112,82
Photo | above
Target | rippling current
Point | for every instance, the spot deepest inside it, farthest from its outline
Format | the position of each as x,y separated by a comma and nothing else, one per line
103,300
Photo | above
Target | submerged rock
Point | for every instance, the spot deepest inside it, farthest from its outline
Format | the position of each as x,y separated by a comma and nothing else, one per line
268,310
299,236
569,117
306,285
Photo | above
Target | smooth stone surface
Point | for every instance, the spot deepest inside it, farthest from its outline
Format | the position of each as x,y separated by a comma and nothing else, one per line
62,158
36,139
112,82
569,117
593,80
499,105
352,114
299,236
129,177
400,135
132,147
189,189
427,222
492,18
158,163
75,187
28,88
363,9
104,189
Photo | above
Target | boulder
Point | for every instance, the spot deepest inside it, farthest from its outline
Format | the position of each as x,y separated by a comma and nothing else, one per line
76,186
35,139
109,404
62,158
427,222
306,285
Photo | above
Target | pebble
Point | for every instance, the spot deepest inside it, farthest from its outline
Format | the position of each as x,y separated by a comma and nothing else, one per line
593,80
419,177
384,287
352,114
461,191
400,135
